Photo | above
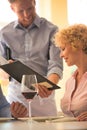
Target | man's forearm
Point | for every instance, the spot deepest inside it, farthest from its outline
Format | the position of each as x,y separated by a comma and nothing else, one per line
54,78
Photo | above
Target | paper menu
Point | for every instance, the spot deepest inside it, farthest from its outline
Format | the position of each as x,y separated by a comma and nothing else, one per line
46,84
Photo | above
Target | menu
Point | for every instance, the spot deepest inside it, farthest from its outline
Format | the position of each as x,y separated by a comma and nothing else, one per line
17,69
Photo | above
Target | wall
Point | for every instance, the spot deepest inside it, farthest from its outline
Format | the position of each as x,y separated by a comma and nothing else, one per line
59,12
54,10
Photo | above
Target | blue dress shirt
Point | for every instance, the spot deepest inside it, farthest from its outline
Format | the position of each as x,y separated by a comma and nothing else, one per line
34,47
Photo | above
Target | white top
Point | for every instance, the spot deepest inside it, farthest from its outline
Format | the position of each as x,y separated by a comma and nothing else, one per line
39,106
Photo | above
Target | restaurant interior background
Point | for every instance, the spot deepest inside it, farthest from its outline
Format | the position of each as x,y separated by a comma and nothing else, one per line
61,13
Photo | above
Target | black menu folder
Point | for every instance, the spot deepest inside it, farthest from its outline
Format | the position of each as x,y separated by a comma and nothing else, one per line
17,69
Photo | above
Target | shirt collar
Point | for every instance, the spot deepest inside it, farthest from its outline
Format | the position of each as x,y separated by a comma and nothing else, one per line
36,23
76,72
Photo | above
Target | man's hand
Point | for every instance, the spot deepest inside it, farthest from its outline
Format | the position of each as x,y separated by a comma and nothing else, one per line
18,110
43,91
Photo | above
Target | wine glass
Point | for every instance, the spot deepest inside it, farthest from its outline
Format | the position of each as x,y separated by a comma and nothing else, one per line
29,88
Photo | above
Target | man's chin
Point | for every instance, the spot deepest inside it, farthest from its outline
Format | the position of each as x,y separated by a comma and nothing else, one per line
26,24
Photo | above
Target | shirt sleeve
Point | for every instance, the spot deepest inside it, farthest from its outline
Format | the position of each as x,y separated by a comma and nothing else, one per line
55,62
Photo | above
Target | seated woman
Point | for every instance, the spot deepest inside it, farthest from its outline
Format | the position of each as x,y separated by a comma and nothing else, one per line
72,42
16,109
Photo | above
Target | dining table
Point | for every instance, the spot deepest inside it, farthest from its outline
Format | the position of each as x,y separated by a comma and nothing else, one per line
42,123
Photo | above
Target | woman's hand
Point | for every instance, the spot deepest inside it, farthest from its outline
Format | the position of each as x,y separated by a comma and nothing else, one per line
18,110
82,116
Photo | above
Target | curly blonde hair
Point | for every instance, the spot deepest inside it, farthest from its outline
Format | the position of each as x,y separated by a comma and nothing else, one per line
76,35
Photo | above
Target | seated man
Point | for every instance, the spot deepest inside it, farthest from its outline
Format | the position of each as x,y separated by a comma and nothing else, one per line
16,109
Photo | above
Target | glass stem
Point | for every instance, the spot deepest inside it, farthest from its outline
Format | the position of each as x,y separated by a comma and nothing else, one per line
29,108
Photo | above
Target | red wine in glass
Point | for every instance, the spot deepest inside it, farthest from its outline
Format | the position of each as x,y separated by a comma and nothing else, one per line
29,88
29,95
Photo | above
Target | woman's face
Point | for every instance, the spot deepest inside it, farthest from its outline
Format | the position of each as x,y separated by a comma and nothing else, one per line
25,10
69,54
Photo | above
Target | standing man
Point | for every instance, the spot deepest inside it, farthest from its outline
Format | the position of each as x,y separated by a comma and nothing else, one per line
30,41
